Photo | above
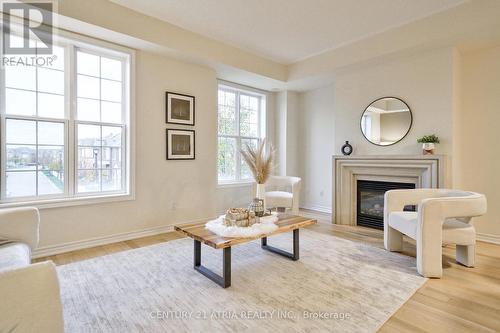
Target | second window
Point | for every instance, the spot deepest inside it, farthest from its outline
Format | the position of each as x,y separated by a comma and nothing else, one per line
241,117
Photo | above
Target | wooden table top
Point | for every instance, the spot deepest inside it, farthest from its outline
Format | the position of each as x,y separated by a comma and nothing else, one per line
198,232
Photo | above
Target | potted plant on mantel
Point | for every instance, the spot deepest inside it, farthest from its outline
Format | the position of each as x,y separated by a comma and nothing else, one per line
428,143
259,161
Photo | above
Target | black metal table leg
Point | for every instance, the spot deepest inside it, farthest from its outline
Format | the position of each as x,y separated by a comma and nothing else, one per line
225,280
294,256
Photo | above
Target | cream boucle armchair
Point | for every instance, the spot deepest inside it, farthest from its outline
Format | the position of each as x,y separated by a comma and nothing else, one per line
282,192
444,216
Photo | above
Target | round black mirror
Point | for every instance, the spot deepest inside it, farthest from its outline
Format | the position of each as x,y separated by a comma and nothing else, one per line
386,121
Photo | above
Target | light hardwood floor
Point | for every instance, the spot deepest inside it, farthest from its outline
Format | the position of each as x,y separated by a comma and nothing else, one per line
464,300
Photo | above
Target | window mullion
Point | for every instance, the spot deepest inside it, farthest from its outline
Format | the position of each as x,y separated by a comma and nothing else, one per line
70,114
36,156
238,138
36,130
3,147
3,150
260,132
99,169
2,89
123,157
125,144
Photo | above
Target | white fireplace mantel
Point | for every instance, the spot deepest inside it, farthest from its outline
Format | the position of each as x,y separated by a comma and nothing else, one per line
425,171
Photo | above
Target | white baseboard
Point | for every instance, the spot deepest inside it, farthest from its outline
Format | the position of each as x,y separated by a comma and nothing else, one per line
488,238
98,241
318,208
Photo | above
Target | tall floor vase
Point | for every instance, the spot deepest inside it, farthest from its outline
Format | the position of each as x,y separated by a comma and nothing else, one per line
261,193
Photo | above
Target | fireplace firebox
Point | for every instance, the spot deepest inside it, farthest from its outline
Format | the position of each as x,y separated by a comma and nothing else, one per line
370,201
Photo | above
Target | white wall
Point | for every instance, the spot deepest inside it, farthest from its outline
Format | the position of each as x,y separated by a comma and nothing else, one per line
375,126
316,147
293,134
331,115
281,132
287,133
478,132
392,125
167,192
423,81
229,196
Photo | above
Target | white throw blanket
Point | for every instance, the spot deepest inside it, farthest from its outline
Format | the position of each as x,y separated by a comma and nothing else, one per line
265,226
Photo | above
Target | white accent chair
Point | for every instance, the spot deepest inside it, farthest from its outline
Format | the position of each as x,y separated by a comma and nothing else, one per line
444,216
29,294
283,192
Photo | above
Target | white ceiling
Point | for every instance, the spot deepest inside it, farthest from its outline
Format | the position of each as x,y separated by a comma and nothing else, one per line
288,31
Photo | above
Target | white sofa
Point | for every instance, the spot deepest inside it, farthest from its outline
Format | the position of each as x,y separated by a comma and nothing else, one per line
443,216
29,293
283,192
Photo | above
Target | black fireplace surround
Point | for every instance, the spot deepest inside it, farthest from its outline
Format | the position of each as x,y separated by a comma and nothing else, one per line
370,201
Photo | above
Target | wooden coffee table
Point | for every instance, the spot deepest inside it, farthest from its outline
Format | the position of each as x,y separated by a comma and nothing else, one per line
200,235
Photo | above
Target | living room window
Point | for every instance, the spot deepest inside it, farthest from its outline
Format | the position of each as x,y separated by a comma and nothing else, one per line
65,124
99,122
241,121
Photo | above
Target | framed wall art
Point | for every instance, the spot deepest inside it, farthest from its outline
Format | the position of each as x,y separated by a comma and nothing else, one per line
180,144
180,109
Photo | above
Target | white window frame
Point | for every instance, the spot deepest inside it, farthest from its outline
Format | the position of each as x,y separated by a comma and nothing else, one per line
71,42
3,152
123,126
261,123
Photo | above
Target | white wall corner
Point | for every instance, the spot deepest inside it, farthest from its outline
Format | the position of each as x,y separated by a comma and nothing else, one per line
281,130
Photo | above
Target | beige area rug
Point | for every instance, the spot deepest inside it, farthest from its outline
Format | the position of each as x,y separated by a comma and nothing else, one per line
336,286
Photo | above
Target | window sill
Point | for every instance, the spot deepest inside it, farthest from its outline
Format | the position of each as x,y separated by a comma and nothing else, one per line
235,184
68,202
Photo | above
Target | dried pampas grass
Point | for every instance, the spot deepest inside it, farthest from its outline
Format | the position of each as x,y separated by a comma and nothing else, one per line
259,160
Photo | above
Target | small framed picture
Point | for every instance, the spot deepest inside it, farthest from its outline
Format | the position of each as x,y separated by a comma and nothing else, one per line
180,144
180,109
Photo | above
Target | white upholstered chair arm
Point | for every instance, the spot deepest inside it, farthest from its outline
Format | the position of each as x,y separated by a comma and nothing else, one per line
296,183
429,237
20,224
30,299
471,205
283,181
432,213
395,200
